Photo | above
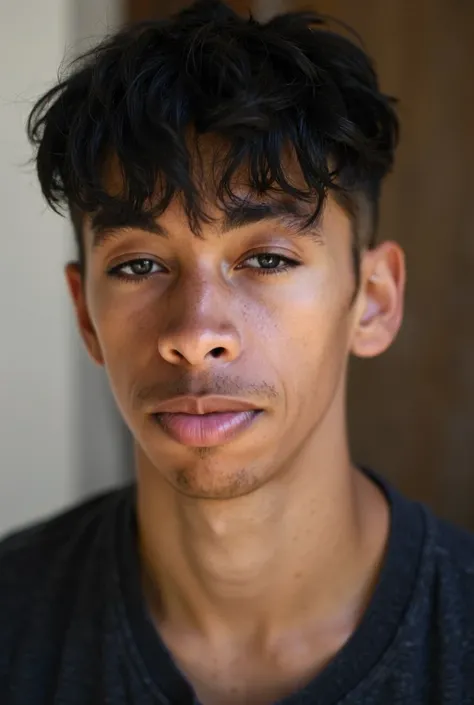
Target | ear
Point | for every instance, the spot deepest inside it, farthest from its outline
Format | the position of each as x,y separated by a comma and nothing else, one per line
379,306
76,287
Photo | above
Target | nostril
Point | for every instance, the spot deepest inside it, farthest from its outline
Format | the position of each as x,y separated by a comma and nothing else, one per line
217,352
196,353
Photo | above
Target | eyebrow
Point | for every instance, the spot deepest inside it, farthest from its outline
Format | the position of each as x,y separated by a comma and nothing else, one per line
109,224
289,213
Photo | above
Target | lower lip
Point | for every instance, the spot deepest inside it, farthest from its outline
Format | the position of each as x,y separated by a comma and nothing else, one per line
206,430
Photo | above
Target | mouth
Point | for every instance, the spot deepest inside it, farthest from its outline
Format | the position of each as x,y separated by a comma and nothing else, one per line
208,429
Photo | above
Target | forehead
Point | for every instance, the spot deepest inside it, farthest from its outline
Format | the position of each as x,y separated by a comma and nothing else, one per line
217,220
211,211
208,163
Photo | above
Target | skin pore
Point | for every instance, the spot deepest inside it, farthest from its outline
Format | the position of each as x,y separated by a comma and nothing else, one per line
260,554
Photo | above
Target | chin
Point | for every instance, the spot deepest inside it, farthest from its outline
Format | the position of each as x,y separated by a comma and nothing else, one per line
209,483
217,472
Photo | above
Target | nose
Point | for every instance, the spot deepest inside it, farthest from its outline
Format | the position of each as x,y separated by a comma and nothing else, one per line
199,330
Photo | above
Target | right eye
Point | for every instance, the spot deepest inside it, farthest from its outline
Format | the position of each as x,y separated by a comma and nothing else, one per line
136,269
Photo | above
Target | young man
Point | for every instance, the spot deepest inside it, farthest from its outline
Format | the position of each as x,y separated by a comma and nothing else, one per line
223,177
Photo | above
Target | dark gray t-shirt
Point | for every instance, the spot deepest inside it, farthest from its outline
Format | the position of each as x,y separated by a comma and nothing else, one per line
74,629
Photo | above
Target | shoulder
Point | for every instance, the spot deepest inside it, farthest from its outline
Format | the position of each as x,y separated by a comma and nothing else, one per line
36,557
453,576
54,583
453,546
447,550
51,532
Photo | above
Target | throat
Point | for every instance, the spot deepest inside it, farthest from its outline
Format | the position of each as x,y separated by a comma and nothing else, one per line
262,670
253,602
252,566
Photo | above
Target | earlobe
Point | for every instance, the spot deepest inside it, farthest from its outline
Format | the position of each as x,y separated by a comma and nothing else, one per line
380,300
75,284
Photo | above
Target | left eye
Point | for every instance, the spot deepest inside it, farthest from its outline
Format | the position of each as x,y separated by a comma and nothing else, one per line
269,261
136,268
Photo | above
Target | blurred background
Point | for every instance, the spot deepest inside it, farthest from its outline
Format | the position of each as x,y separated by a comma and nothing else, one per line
411,411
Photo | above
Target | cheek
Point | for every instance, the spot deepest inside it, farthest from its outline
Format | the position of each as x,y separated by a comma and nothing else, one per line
311,340
129,342
118,317
124,327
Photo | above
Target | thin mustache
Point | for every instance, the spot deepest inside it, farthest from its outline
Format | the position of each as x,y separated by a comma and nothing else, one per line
218,386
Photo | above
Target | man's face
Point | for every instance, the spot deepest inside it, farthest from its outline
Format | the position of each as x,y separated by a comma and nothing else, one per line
255,311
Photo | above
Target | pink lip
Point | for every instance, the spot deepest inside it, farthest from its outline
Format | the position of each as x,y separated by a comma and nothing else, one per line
205,430
207,404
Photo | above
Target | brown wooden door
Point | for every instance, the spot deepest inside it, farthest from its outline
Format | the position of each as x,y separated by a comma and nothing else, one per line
412,410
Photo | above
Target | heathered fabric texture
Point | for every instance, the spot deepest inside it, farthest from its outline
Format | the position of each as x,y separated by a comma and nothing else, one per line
74,629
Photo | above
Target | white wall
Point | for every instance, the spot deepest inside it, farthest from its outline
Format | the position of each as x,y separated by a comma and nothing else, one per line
47,388
101,441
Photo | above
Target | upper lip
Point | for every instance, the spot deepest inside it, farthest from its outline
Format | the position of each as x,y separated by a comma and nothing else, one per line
203,405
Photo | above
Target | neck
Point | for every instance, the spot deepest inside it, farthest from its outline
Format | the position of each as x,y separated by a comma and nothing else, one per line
307,545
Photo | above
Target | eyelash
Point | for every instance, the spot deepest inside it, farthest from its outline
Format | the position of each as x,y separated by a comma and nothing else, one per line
287,264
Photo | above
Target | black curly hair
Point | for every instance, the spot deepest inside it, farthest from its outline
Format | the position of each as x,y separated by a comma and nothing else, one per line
147,94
